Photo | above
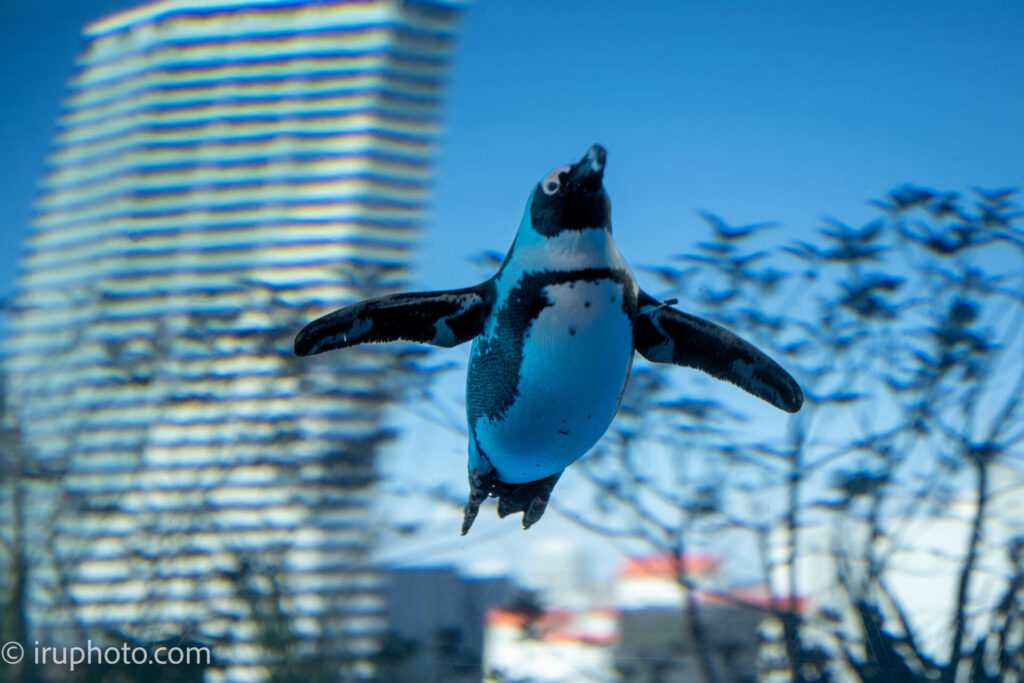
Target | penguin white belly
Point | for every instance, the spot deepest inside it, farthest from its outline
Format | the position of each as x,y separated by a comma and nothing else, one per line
576,359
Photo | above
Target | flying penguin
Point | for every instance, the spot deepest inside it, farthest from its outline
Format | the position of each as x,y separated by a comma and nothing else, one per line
553,334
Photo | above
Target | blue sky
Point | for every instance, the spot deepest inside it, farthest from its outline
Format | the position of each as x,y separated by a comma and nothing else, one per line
784,111
781,111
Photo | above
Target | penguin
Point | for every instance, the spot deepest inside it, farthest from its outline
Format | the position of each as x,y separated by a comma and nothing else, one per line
554,332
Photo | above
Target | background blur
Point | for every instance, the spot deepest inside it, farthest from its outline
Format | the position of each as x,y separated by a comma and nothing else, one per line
188,183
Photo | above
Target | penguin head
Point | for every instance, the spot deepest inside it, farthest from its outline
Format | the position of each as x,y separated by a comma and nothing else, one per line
572,197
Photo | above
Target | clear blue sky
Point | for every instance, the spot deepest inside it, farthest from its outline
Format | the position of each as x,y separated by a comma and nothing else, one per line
757,111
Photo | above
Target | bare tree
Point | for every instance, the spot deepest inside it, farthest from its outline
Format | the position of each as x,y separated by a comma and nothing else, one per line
906,335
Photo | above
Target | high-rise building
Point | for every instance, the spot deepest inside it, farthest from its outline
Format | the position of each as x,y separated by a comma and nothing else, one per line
223,171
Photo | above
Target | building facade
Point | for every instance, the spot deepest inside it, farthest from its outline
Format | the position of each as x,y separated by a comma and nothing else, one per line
223,172
436,624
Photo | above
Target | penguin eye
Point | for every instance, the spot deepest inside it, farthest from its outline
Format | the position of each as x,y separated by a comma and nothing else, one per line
553,182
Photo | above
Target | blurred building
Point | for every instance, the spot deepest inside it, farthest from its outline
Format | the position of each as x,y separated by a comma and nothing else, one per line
223,171
436,625
640,630
550,646
657,645
654,581
657,640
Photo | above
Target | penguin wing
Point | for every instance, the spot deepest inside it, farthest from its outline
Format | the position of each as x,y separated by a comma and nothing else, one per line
665,335
437,318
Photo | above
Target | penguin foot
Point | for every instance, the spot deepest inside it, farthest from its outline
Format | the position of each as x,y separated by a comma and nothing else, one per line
530,498
480,484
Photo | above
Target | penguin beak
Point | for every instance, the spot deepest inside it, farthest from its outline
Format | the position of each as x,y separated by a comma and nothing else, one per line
588,172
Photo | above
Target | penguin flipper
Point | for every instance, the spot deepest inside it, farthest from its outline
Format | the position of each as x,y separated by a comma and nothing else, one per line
665,335
445,318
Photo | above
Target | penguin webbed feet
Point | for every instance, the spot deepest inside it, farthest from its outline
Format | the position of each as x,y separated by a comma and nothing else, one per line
530,498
